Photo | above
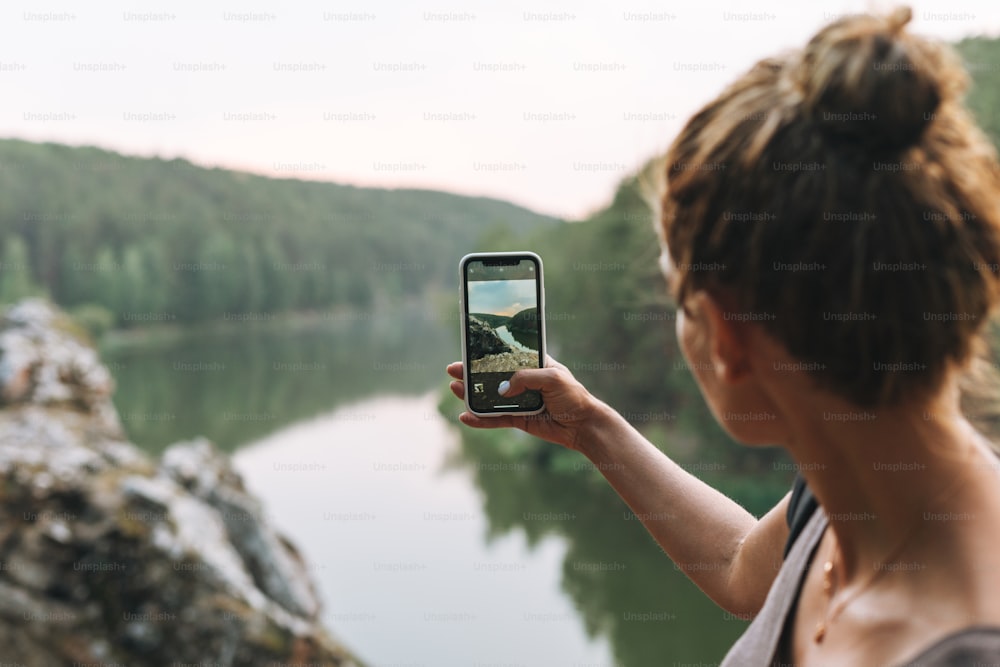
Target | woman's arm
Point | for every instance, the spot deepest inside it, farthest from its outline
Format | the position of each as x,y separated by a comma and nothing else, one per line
729,554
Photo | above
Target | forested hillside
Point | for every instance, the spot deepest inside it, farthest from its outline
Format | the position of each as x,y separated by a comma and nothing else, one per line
982,60
165,240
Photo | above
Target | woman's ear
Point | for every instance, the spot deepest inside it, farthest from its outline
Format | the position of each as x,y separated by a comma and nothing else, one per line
726,337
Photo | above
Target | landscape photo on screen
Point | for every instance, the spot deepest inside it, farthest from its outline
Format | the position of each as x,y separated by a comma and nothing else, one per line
503,333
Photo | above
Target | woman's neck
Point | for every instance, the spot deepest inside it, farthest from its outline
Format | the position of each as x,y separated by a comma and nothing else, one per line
882,475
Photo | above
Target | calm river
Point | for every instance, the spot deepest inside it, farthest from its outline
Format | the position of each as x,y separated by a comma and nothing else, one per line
428,549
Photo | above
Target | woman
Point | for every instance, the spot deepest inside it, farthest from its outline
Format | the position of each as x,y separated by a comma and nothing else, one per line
839,323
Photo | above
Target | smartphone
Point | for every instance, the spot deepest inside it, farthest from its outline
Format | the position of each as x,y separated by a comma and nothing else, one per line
503,329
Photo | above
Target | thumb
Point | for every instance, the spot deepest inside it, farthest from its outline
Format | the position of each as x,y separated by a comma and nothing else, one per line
539,379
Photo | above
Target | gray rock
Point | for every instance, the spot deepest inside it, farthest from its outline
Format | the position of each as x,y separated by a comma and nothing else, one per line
43,364
109,557
484,340
275,565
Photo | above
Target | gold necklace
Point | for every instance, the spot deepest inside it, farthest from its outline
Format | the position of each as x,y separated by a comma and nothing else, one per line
830,616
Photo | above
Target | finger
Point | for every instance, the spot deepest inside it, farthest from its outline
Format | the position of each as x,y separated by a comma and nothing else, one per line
500,421
455,370
458,388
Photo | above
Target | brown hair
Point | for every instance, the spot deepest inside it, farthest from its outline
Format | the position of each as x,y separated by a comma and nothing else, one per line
843,197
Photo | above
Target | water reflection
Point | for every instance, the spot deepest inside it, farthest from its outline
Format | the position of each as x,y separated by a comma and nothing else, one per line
579,542
235,386
397,544
624,587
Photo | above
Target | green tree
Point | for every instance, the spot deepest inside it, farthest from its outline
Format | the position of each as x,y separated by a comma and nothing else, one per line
251,282
110,287
16,281
134,285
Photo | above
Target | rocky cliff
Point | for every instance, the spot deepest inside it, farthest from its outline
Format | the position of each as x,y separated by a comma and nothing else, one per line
484,340
109,557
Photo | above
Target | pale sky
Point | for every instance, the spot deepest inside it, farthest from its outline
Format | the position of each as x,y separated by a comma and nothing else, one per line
546,104
501,297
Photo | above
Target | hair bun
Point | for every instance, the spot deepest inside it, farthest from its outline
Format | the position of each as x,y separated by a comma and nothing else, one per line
865,81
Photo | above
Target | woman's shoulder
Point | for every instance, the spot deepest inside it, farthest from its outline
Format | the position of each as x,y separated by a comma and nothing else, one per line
976,645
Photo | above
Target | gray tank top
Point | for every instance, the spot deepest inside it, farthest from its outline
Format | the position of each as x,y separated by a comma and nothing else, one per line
758,645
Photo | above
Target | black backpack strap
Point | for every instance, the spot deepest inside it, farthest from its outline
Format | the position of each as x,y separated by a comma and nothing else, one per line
801,506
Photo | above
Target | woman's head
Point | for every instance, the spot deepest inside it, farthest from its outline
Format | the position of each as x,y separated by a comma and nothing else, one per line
841,198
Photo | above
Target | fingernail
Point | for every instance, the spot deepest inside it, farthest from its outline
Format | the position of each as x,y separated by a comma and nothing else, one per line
503,388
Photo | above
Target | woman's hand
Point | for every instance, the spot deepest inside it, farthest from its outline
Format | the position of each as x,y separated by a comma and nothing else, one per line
569,407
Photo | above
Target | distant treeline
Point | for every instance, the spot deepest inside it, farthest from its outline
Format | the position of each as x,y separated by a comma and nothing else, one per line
494,321
151,240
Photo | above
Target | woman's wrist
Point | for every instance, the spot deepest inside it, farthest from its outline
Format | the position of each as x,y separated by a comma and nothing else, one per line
598,430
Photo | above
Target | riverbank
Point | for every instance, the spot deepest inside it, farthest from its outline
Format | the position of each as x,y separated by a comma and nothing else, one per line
434,306
165,333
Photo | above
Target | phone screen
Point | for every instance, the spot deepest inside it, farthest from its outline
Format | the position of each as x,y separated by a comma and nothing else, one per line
503,329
